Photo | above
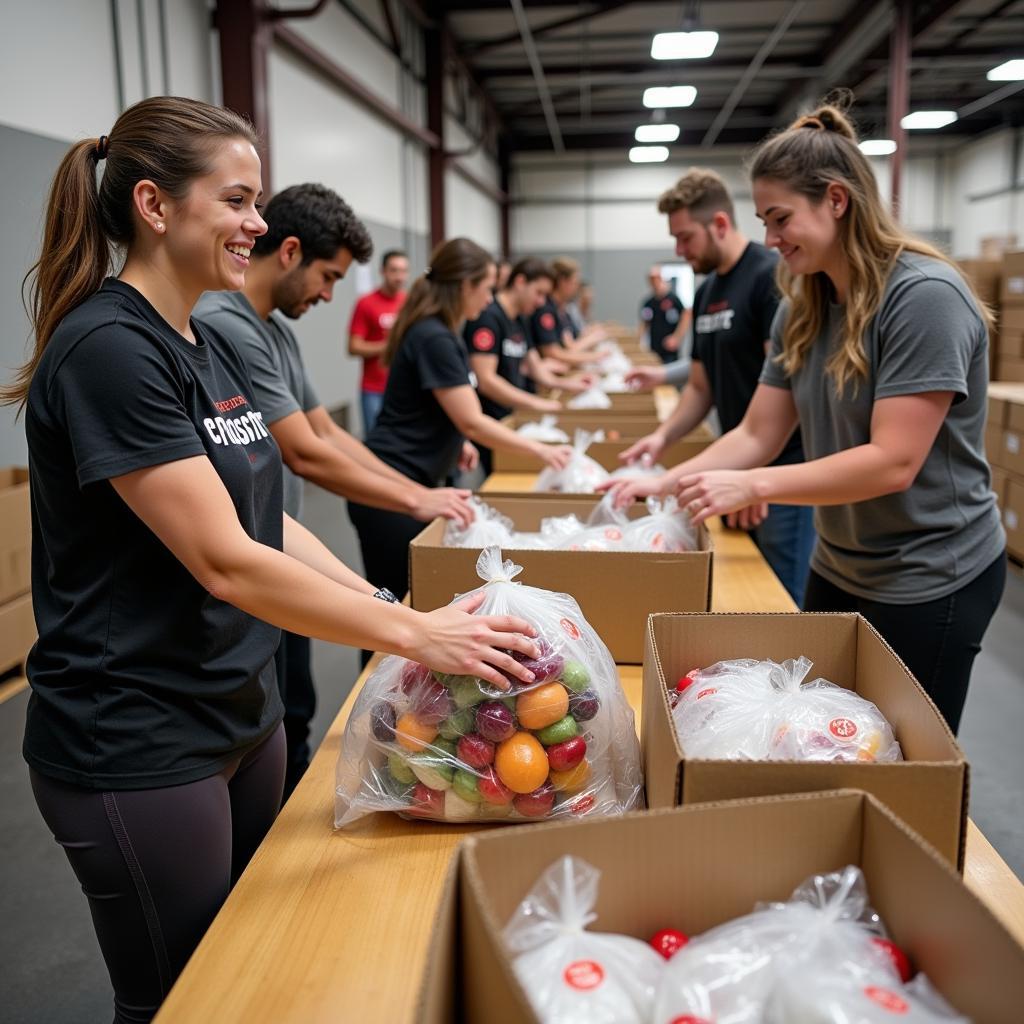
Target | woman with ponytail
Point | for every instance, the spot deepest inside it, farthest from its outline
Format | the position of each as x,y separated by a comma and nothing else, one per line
879,352
431,410
162,562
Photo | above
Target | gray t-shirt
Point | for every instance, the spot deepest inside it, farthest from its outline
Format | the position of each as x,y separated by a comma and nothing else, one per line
271,353
944,530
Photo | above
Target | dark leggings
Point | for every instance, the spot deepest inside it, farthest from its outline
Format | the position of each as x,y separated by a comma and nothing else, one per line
156,864
937,640
298,692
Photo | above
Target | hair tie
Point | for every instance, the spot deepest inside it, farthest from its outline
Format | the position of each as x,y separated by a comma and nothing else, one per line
102,145
814,122
429,273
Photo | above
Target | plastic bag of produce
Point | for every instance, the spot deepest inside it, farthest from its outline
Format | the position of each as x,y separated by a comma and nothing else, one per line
571,975
644,466
453,748
761,710
581,475
546,429
489,526
749,970
666,527
592,398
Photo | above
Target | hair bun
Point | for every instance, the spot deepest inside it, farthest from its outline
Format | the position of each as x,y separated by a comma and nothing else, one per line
812,122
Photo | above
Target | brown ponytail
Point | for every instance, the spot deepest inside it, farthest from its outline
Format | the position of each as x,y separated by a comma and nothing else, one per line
166,139
438,291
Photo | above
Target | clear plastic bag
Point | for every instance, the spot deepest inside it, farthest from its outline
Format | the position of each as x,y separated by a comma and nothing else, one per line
645,466
489,526
592,398
666,527
571,975
762,967
454,748
761,710
546,429
581,475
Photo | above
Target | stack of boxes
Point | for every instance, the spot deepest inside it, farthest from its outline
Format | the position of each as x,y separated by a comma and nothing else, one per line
1010,344
1004,441
17,625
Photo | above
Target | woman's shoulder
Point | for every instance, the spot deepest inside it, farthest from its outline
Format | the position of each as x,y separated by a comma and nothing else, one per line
919,278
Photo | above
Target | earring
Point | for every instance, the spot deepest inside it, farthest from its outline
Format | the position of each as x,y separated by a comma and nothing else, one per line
159,226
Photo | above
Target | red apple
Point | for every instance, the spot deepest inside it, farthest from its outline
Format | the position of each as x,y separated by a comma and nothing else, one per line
495,721
475,751
493,790
537,804
668,942
413,676
431,703
547,665
426,802
685,682
898,958
567,754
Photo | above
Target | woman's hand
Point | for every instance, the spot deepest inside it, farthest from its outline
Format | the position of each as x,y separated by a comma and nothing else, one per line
453,640
556,456
469,457
645,378
652,445
450,502
628,490
717,492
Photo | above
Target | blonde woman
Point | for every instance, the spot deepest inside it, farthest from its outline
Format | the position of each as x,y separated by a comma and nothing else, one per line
879,352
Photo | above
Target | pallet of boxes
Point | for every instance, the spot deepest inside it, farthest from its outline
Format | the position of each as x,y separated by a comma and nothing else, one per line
17,625
1004,442
1009,340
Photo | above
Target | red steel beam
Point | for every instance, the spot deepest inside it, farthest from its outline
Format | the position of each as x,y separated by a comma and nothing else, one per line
899,92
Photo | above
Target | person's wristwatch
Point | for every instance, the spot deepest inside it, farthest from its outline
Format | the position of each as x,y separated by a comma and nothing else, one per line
385,595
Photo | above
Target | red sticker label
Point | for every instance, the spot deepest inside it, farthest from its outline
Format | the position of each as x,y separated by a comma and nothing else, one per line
547,321
886,999
571,628
583,974
707,693
666,303
582,805
483,339
613,533
689,1019
842,728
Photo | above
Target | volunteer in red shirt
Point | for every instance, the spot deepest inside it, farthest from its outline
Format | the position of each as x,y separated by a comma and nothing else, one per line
368,332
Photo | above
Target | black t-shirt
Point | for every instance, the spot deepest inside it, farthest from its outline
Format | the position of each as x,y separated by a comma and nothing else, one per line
140,677
494,334
662,318
732,320
549,324
413,434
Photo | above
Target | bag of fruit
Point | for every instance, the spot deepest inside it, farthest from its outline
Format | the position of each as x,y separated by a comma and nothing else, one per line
489,526
581,475
570,974
455,748
761,710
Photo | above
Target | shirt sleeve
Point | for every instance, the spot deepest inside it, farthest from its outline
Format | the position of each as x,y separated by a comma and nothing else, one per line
359,322
441,361
772,373
928,331
271,393
122,403
697,349
545,329
482,336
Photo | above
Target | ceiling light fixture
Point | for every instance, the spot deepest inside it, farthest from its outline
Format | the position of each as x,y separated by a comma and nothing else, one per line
683,45
657,133
669,96
928,119
1010,71
877,147
648,154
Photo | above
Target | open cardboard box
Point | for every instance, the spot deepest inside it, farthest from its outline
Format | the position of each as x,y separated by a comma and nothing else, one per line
696,867
606,453
15,533
929,789
631,403
616,590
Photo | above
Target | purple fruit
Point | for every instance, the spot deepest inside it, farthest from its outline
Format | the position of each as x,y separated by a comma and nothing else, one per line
583,706
382,721
431,704
494,721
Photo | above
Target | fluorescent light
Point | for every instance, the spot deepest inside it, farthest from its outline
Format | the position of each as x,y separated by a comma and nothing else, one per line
648,154
657,133
928,119
877,147
1011,71
669,96
679,45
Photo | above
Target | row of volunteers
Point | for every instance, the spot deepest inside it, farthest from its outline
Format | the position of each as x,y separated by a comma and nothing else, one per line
161,403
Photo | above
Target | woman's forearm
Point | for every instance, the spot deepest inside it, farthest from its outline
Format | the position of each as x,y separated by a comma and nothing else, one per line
739,449
302,544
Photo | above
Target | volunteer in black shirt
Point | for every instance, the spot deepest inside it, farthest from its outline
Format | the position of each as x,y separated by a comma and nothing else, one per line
430,405
163,565
552,330
663,316
732,318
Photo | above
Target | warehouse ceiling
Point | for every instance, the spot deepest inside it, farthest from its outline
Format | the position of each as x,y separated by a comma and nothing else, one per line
572,76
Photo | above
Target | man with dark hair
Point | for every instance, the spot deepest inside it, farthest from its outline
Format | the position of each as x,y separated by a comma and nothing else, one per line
314,237
552,331
664,317
372,318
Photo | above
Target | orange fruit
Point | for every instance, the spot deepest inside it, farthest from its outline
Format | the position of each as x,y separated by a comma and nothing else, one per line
521,763
573,779
412,734
543,706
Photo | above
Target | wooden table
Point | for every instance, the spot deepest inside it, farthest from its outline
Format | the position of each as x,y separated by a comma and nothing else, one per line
331,926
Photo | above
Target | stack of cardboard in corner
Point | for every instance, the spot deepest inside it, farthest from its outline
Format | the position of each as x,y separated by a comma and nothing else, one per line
1010,344
17,625
1004,442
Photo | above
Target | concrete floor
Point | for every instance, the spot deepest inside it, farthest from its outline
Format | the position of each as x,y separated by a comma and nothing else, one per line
52,971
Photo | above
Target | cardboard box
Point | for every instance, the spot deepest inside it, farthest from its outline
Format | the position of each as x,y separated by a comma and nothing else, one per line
17,631
693,868
629,403
15,533
1009,368
1010,454
986,276
928,790
616,590
999,478
1000,397
1013,516
992,247
1012,290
